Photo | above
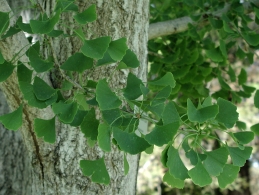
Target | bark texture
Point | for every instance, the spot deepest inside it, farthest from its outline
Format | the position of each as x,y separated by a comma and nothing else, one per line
55,167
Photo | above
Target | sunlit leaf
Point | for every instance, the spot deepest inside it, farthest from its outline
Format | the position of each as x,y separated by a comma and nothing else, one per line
167,79
255,129
214,54
244,137
66,5
172,181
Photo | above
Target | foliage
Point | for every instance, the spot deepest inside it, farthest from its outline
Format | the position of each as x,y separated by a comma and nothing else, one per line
176,102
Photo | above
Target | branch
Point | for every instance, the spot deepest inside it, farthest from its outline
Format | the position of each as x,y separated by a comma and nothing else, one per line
181,24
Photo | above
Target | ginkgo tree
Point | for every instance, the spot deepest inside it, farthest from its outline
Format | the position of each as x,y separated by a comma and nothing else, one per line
96,96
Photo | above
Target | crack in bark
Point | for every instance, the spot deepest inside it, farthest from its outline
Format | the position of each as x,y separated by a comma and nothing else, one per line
35,143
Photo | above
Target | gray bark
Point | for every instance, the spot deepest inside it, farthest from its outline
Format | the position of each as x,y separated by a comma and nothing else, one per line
55,167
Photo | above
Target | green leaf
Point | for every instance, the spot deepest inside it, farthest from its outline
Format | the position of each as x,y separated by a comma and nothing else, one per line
28,94
66,6
77,62
132,90
117,49
251,39
95,169
175,164
24,74
96,48
199,175
161,135
172,181
201,115
129,142
104,136
126,165
46,129
231,74
4,18
112,117
167,79
42,90
65,111
79,32
242,77
228,175
164,153
256,99
13,120
55,33
46,26
217,24
215,55
23,26
239,156
6,69
227,113
170,114
12,31
223,84
129,60
255,128
81,100
105,60
223,49
244,137
90,124
105,97
195,157
2,60
89,15
37,63
241,125
215,161
79,117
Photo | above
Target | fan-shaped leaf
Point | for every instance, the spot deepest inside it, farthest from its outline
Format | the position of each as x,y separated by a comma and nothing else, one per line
228,175
89,15
46,129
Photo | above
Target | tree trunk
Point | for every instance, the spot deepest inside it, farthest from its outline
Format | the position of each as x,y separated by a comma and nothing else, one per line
55,167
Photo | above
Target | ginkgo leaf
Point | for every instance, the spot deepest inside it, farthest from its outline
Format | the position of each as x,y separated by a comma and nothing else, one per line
129,60
238,156
215,161
46,26
105,60
214,54
65,111
256,99
90,124
170,114
175,164
132,90
42,90
126,165
226,108
104,136
4,17
172,181
66,5
24,74
46,129
95,48
113,117
117,49
201,115
89,15
13,120
255,128
79,117
129,142
244,137
95,169
37,63
6,69
23,26
167,79
105,97
2,60
77,62
229,174
199,175
161,135
242,77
